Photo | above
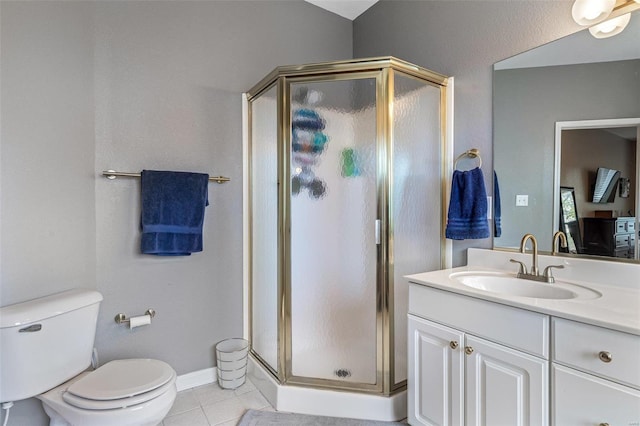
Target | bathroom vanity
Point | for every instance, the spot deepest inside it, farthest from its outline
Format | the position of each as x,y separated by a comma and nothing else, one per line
525,353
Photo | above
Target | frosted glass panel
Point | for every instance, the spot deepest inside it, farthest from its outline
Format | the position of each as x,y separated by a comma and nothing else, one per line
333,248
264,222
415,196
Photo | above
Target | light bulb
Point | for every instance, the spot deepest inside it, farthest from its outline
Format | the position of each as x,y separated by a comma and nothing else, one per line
611,27
589,12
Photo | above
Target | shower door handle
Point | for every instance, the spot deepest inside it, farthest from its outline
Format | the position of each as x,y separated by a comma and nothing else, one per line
377,231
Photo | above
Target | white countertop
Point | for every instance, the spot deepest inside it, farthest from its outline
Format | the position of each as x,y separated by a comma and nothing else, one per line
618,308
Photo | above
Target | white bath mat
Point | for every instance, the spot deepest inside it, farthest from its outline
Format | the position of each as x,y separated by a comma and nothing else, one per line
276,418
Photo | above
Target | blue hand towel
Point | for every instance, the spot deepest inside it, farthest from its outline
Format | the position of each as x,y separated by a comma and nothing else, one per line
467,218
172,216
497,219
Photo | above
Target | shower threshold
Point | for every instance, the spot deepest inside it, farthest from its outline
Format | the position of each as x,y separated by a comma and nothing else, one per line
326,402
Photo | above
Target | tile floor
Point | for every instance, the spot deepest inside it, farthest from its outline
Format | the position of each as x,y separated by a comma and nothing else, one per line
210,405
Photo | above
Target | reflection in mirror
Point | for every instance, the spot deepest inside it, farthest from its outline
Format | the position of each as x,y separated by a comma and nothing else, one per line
569,222
577,78
582,147
605,185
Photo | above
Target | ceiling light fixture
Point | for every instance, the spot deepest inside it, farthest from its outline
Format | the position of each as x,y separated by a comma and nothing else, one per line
610,27
605,18
589,12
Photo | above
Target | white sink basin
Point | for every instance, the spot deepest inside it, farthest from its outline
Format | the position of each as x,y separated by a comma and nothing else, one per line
500,283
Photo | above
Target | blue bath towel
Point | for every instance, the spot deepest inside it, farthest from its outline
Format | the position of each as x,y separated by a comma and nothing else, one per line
172,216
497,214
467,218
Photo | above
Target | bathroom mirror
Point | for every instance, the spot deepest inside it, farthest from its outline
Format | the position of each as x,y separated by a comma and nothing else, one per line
572,84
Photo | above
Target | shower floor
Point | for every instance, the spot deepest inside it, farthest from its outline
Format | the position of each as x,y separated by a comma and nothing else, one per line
356,364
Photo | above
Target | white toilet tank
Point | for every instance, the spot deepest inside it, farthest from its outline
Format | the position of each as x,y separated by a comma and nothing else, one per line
46,341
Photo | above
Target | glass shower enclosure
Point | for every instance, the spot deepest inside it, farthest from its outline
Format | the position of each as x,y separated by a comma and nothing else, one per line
346,196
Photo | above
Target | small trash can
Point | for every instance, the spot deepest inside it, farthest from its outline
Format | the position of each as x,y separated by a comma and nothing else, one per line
232,356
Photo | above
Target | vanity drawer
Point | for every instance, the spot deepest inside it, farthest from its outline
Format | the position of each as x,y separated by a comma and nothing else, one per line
588,348
583,399
517,328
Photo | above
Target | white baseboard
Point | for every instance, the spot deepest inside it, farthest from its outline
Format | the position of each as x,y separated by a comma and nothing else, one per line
196,378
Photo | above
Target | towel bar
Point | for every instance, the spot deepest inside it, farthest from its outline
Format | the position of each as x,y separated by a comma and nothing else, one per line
112,174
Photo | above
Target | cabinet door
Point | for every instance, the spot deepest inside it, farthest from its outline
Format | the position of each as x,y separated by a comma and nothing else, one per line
504,387
584,400
436,362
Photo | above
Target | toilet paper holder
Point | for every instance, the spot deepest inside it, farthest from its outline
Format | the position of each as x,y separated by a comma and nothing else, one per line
122,318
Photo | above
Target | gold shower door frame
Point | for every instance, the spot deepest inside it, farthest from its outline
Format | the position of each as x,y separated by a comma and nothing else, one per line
383,70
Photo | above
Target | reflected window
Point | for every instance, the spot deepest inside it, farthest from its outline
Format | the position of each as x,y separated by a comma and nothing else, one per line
569,220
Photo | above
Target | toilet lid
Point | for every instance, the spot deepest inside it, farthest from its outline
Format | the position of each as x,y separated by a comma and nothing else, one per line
94,404
122,379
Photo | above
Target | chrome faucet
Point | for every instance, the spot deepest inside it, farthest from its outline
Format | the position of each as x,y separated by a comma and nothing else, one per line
559,235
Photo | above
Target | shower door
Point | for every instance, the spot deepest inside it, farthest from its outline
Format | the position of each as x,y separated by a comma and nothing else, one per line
346,197
333,227
264,229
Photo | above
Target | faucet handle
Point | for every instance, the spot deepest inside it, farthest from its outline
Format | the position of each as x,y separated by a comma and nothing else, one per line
548,273
523,267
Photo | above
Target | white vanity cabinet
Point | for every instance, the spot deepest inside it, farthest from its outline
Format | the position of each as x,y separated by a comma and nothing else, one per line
436,368
504,386
475,362
595,375
479,362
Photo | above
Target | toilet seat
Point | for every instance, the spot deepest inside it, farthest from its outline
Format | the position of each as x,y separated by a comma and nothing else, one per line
120,384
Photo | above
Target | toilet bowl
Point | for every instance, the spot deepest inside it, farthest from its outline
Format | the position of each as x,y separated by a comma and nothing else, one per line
125,392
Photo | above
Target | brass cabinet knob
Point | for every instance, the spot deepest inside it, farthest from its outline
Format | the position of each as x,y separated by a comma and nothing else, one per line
605,356
468,350
453,344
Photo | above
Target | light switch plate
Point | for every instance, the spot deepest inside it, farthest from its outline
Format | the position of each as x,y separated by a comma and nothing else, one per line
522,200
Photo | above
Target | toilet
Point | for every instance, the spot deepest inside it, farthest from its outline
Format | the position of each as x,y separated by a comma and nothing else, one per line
47,349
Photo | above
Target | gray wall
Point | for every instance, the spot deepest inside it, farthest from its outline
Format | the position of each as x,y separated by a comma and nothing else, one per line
88,86
529,102
462,39
48,209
